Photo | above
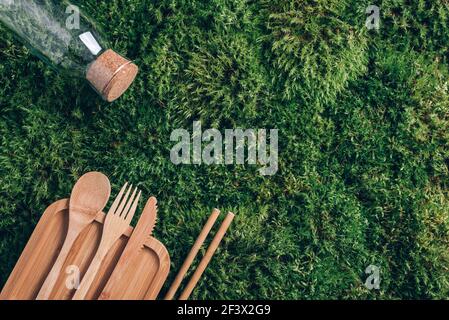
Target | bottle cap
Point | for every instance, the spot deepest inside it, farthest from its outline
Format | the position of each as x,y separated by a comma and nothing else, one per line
111,75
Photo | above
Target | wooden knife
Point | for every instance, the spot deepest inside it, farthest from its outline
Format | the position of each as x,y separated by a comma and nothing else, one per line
141,233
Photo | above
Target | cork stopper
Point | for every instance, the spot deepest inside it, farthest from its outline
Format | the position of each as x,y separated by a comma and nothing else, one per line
111,75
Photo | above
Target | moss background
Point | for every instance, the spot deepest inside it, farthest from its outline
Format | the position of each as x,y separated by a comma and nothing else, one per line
364,141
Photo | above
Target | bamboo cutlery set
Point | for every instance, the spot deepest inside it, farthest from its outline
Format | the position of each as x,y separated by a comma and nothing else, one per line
77,252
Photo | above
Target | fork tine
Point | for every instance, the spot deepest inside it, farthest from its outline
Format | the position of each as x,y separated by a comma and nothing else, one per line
117,199
123,201
131,212
128,204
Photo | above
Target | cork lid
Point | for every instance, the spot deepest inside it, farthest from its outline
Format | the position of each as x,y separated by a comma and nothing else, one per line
111,75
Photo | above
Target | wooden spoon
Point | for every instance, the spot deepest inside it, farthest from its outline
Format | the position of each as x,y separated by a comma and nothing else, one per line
89,196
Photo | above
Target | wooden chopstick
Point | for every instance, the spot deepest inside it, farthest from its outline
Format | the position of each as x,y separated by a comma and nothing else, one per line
207,257
192,254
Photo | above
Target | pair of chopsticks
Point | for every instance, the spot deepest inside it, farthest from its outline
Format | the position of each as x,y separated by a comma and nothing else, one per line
194,251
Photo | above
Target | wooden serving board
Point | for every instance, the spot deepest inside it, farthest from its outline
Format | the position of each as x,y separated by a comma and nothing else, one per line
143,282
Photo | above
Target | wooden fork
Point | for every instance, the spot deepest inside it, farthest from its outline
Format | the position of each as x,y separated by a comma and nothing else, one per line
116,222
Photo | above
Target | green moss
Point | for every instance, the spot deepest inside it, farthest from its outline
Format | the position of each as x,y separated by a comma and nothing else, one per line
364,147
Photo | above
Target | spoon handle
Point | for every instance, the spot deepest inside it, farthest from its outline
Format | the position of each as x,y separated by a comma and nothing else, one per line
89,277
52,277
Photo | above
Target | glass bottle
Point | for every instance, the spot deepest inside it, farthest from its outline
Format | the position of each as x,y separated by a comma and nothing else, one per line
61,35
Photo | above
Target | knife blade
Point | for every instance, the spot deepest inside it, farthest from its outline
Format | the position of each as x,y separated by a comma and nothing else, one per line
141,232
